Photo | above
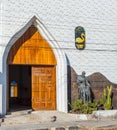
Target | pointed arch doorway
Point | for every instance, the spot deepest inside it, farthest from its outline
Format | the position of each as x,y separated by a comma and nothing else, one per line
32,65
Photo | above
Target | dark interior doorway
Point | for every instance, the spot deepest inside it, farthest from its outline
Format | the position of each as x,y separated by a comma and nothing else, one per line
21,74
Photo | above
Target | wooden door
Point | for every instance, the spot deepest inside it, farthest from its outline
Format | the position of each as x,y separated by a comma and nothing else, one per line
43,88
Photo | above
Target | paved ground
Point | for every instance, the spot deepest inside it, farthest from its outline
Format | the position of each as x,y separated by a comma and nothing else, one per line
44,121
83,125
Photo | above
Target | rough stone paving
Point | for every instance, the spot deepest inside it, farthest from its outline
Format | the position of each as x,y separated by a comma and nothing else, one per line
43,120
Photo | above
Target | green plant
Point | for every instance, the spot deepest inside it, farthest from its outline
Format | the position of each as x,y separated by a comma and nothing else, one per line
76,105
85,108
108,98
88,107
99,104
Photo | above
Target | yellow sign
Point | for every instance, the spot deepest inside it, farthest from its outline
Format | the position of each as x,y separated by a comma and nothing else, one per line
79,38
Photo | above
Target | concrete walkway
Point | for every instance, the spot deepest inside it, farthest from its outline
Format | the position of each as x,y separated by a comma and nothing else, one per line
80,125
53,120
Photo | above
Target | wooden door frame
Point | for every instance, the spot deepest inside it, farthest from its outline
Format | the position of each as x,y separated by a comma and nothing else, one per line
61,83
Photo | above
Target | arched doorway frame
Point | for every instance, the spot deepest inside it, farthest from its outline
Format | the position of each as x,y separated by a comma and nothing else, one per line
61,76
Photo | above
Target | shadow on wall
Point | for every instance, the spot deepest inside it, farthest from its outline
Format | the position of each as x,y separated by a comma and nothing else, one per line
98,82
1,78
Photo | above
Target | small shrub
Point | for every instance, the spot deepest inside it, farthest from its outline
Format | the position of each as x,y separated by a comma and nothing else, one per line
86,108
76,106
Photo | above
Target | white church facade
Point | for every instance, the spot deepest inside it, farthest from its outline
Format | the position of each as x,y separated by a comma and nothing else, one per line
37,44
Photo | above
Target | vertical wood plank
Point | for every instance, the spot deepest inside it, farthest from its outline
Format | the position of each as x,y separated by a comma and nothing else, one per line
43,88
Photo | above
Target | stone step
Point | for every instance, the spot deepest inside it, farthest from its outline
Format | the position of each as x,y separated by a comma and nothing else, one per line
18,113
22,117
30,116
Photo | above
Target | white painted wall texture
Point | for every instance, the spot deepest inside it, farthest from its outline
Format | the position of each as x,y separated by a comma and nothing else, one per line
61,17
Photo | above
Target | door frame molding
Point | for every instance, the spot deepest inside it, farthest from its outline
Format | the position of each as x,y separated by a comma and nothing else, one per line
61,76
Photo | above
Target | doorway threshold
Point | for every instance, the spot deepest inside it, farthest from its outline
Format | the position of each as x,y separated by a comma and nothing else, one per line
24,110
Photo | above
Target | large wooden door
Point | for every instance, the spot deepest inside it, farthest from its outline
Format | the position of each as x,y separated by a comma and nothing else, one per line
43,88
33,50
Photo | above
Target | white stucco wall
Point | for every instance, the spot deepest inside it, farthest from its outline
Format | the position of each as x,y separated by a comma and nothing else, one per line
98,17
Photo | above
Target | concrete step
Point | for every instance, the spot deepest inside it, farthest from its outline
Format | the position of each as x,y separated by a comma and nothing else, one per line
40,117
22,117
18,113
30,116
